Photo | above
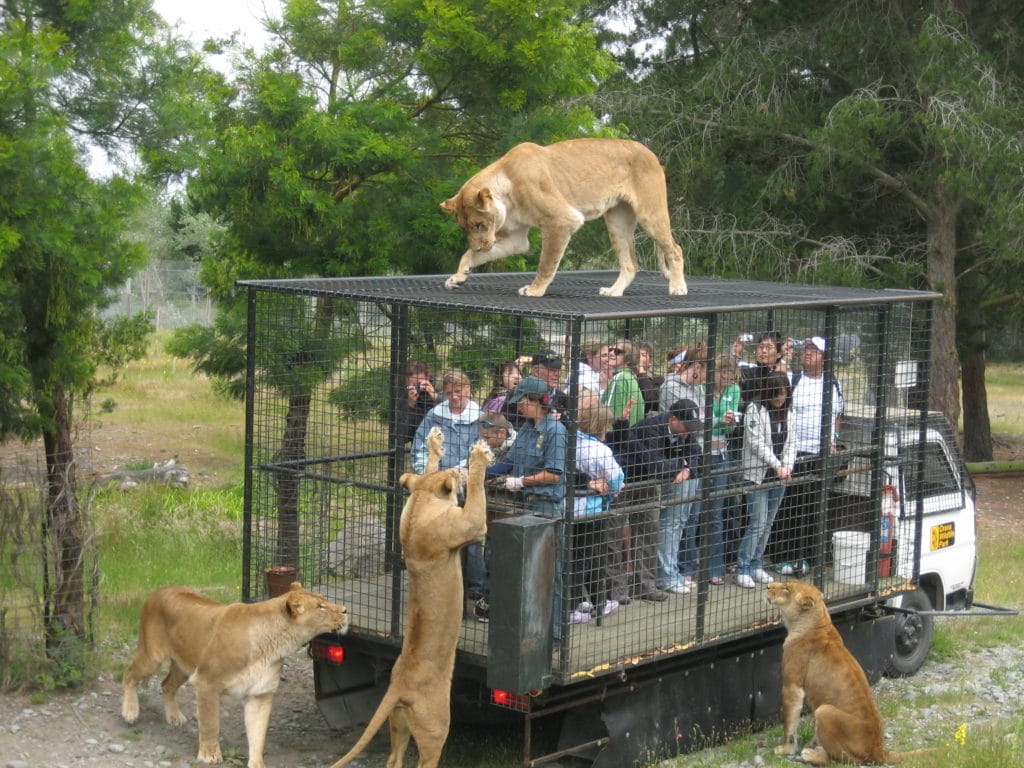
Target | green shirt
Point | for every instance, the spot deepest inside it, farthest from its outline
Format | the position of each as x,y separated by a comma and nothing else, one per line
620,389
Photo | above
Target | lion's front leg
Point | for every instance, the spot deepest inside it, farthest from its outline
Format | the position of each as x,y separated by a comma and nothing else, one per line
435,449
462,272
792,705
257,718
475,507
554,239
208,706
507,242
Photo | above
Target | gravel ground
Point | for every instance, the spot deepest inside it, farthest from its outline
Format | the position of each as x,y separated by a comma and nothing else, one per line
84,728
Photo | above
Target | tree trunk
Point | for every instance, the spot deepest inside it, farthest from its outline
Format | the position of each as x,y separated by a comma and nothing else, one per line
945,384
973,345
286,480
64,539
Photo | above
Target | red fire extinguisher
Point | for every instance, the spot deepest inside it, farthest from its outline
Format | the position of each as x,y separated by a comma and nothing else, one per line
890,500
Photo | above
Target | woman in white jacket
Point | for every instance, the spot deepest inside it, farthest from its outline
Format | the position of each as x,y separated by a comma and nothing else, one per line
769,451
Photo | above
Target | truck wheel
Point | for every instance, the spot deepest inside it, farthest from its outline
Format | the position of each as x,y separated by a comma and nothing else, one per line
912,636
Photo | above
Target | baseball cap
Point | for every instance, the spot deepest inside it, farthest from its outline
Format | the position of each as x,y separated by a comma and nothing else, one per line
686,411
531,385
818,342
548,358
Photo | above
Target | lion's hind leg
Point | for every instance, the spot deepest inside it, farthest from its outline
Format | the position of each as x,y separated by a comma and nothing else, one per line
621,223
176,677
398,727
144,663
843,738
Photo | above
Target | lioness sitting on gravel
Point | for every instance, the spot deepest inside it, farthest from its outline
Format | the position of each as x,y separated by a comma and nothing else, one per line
817,666
433,529
222,649
557,188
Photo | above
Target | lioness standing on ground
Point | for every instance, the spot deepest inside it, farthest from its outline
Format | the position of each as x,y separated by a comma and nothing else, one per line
817,666
433,529
557,188
222,649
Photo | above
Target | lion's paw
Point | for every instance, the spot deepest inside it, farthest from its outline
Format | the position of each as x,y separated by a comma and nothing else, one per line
816,756
209,754
786,749
680,290
130,711
609,291
435,440
455,281
175,717
530,290
481,451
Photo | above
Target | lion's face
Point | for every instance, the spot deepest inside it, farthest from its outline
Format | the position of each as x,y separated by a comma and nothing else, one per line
315,612
797,601
479,215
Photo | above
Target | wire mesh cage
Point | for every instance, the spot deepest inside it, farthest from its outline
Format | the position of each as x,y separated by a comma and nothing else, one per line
346,375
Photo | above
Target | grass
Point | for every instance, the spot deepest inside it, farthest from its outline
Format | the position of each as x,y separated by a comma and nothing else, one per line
1003,383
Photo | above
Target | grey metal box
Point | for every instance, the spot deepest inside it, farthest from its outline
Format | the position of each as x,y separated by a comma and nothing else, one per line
519,634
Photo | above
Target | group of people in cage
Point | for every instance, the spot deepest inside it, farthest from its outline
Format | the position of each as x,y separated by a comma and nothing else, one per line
642,456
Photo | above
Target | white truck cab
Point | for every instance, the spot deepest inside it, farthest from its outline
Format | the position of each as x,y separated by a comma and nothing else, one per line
937,549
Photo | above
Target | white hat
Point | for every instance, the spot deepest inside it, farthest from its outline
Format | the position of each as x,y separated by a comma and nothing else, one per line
818,342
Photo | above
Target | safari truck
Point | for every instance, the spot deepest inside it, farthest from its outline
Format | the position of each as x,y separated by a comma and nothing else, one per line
891,520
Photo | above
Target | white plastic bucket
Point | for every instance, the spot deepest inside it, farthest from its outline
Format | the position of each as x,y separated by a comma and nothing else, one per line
849,553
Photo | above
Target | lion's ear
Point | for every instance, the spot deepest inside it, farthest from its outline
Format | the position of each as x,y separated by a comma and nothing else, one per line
296,604
296,585
451,482
450,205
484,201
408,480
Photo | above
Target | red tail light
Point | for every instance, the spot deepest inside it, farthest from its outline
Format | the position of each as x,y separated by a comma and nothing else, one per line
335,654
510,700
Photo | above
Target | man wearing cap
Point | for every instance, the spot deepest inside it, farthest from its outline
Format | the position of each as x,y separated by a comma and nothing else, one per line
547,366
664,447
793,533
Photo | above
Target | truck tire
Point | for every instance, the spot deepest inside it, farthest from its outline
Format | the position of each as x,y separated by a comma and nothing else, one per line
912,636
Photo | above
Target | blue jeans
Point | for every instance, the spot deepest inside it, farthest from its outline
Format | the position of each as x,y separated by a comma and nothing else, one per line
721,509
680,515
762,506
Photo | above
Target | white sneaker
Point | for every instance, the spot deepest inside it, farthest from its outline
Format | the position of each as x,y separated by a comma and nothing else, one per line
688,580
679,589
609,607
786,569
579,617
743,580
761,576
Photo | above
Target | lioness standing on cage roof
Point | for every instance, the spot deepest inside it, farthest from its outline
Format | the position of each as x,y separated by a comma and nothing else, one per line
557,188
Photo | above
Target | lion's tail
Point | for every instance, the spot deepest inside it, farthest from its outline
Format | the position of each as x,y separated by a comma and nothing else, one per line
387,704
892,758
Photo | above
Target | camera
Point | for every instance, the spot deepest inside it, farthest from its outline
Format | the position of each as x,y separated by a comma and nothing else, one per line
746,338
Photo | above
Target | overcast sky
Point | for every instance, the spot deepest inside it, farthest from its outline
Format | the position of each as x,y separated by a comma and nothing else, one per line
201,19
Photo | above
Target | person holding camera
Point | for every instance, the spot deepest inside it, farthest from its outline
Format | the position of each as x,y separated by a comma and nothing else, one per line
420,397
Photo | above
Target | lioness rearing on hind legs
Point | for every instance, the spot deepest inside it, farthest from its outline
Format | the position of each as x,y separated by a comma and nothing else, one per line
557,188
433,529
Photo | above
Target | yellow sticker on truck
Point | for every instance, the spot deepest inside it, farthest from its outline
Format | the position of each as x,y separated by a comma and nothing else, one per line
943,535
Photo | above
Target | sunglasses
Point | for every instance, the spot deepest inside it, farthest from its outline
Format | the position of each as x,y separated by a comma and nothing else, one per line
616,351
491,425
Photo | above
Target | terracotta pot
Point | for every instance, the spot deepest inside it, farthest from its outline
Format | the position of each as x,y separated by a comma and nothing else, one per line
279,579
